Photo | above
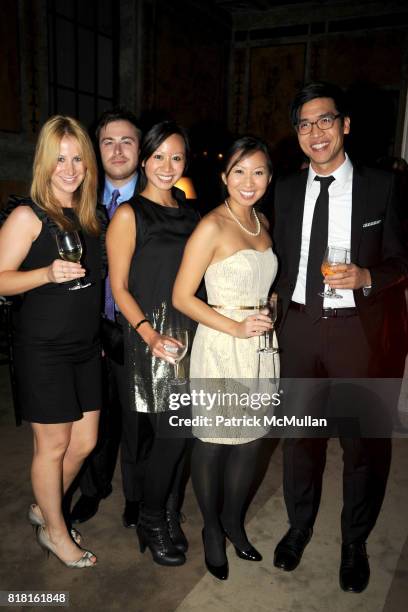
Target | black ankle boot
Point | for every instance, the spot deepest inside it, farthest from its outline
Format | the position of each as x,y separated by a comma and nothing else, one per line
174,517
153,533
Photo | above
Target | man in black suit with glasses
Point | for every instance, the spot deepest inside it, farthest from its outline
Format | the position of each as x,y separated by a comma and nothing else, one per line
335,203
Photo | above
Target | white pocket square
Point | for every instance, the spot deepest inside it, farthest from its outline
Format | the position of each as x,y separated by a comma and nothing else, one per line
371,223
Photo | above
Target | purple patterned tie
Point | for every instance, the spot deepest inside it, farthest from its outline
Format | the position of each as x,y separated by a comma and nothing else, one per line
109,301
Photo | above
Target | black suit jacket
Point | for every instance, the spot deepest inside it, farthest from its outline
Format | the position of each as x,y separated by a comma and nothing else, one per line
377,243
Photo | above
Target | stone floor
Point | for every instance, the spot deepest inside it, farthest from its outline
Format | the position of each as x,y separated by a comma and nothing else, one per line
125,580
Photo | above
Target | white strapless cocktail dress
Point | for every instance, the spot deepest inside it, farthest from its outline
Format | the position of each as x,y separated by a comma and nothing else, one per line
230,370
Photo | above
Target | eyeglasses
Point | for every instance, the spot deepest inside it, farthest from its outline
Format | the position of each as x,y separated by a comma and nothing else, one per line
323,123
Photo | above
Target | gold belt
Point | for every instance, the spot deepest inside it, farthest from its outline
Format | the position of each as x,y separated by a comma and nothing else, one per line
234,307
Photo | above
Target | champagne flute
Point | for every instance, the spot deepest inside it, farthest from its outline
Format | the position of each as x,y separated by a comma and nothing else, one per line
269,306
177,352
70,249
333,257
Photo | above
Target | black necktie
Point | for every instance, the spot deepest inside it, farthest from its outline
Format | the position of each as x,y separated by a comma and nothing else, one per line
317,248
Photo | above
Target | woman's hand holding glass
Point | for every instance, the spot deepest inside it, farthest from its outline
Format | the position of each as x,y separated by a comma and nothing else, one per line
61,271
178,348
70,249
164,346
269,306
254,325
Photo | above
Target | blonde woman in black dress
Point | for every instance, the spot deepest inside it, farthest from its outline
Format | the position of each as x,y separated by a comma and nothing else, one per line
56,346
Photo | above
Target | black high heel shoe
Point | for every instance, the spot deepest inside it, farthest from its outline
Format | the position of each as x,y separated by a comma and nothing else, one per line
248,554
218,571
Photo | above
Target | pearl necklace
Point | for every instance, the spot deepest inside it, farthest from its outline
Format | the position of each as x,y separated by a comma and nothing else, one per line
247,231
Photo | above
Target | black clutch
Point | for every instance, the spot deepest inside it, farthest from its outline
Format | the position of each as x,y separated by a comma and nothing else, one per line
112,340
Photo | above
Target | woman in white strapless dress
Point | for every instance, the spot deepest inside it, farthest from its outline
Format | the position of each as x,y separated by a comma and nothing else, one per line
232,250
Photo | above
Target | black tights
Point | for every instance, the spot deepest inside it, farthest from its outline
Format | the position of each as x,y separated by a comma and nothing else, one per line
222,476
165,465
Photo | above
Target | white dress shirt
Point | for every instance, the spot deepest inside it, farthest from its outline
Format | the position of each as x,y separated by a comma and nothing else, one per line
339,230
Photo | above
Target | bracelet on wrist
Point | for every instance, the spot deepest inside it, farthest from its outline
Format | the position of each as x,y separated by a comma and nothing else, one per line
136,327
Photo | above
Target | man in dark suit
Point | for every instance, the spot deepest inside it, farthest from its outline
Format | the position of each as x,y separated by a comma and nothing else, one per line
333,203
118,139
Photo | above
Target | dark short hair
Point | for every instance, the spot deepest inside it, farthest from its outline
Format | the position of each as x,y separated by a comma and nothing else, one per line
118,113
245,146
318,89
154,138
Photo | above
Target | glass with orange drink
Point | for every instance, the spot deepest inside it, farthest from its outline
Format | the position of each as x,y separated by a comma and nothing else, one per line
333,258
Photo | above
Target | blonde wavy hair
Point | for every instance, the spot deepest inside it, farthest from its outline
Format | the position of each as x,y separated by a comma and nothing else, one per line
45,162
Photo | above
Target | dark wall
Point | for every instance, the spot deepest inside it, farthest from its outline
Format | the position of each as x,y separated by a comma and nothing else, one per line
10,117
365,55
216,74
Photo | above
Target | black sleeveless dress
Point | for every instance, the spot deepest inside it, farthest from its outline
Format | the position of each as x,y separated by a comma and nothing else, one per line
56,338
161,236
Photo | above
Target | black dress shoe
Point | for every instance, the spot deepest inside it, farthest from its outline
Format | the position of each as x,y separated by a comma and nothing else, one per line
218,571
289,551
85,508
130,514
354,568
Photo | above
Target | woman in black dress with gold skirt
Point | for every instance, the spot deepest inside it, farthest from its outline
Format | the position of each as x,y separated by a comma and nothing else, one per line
56,346
145,242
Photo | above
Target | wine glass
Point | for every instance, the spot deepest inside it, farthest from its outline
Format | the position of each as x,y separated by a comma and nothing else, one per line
177,352
70,249
333,257
269,306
